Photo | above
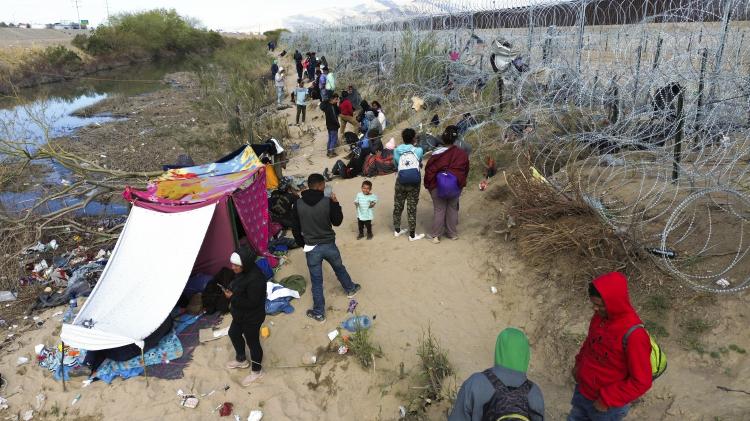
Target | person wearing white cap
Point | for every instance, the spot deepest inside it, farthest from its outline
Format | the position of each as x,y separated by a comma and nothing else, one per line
279,82
247,304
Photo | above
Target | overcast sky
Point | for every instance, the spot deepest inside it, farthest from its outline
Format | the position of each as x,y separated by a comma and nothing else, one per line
215,14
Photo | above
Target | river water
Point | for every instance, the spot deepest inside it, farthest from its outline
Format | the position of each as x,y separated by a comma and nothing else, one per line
46,112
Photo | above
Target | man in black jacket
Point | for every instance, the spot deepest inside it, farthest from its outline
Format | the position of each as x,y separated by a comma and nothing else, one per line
247,301
317,215
331,110
298,63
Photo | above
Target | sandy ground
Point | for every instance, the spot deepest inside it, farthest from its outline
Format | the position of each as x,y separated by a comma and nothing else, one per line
408,287
26,38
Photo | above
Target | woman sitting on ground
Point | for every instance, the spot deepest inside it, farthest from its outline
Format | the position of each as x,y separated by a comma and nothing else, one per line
380,114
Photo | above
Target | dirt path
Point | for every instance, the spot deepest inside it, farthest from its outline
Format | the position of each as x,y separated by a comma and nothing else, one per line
408,287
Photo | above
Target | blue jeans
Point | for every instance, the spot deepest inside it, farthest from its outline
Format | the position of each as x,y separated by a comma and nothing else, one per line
333,139
583,410
279,94
330,253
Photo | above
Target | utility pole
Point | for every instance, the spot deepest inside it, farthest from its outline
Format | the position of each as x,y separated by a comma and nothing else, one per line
106,4
78,13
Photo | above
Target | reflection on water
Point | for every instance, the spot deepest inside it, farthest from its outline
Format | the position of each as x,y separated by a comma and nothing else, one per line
46,112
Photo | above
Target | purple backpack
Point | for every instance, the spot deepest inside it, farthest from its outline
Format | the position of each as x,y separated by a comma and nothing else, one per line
447,185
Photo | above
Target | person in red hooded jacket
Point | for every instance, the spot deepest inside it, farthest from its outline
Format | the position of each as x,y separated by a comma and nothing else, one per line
454,160
608,376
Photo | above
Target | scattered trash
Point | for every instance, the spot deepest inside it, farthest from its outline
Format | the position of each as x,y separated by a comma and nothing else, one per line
493,290
75,400
355,323
208,334
7,296
255,415
309,358
41,247
3,403
722,283
236,417
265,332
343,349
187,400
402,411
28,415
40,267
333,334
352,306
208,394
226,409
40,399
22,361
669,254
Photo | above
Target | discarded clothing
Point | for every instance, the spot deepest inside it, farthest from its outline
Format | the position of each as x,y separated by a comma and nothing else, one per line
278,298
295,282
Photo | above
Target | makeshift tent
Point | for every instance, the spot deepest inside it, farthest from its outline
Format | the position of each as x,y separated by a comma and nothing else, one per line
187,220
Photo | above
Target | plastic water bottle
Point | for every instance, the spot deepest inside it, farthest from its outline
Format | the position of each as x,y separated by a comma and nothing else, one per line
70,313
353,324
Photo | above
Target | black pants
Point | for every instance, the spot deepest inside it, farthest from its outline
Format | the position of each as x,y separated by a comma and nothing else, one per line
364,224
251,333
301,109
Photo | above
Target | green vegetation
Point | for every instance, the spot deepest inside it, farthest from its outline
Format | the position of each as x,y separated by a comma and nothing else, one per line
657,304
361,345
656,329
153,33
737,349
274,35
693,331
234,88
416,61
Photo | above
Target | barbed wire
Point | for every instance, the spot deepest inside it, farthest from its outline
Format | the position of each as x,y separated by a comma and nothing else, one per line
642,105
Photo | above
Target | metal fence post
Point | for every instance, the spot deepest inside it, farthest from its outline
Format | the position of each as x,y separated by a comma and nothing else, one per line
678,136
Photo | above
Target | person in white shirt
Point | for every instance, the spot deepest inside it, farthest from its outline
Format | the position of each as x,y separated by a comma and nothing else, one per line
381,114
279,82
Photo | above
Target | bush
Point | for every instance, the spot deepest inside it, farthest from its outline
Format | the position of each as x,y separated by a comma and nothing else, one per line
156,33
57,57
80,41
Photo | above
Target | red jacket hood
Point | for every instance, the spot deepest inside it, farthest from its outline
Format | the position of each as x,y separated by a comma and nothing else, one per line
613,287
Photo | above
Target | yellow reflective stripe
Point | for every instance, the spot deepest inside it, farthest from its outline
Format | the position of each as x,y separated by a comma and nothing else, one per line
513,417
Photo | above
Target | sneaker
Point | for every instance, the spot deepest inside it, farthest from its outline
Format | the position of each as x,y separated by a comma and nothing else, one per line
416,237
454,238
237,364
399,233
435,240
315,316
326,175
352,292
360,236
369,236
252,378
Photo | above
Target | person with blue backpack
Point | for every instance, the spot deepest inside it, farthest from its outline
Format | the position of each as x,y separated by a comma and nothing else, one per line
502,392
408,161
445,177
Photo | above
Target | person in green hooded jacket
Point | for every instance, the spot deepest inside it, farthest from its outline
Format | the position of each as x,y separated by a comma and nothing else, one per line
518,398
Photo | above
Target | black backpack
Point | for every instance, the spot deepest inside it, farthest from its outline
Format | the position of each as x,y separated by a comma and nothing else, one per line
507,403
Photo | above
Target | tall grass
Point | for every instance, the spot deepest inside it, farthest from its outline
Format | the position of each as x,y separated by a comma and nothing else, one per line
417,61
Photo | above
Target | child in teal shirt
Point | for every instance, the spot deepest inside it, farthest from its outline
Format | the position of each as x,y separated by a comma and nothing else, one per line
365,202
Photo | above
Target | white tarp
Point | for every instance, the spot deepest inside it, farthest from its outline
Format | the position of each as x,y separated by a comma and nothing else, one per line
143,279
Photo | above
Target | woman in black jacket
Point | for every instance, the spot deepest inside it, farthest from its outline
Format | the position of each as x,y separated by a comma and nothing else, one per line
247,303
